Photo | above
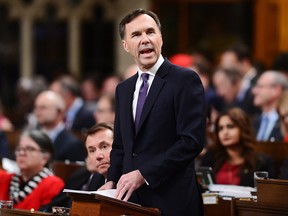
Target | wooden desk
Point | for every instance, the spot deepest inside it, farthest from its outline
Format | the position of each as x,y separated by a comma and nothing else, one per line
97,205
65,170
278,151
252,208
222,208
272,191
271,200
18,212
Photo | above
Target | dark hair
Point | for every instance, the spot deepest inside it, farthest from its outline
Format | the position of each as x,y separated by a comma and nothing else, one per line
99,127
241,51
134,14
69,84
233,74
43,141
247,139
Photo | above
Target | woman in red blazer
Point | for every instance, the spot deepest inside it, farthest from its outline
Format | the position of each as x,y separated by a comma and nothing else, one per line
232,156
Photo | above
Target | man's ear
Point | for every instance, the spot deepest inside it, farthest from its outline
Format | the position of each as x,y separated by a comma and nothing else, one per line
125,46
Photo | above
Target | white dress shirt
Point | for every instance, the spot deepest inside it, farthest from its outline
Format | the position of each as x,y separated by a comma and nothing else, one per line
152,73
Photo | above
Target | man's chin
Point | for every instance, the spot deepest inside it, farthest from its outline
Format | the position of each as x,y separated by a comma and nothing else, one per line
102,171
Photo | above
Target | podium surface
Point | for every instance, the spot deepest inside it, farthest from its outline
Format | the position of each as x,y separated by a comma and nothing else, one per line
99,205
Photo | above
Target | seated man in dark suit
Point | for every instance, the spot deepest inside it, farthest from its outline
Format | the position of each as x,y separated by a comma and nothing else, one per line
98,143
77,116
49,110
267,92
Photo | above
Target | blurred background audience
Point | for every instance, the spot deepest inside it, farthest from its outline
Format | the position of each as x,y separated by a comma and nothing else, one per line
105,111
267,92
49,111
77,116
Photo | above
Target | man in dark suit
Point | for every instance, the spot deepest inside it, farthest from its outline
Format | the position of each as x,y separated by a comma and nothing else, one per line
267,92
49,111
238,57
98,143
153,163
77,116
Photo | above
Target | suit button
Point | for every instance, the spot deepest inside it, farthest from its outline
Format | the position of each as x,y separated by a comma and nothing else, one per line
134,154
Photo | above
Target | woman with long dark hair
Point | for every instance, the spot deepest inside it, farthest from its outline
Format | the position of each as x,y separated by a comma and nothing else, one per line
232,156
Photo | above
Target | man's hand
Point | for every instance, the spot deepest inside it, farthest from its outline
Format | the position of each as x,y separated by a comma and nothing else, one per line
107,186
128,183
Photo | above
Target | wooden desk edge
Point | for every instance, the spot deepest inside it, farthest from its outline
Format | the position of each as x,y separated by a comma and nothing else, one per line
24,212
101,198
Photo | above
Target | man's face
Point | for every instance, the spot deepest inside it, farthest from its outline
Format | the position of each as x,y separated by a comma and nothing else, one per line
224,87
98,146
265,92
45,110
229,60
143,40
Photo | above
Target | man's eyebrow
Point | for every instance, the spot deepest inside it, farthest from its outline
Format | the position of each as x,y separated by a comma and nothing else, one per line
104,143
134,32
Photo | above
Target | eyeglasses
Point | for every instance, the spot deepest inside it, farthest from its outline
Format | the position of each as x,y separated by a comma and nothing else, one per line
26,150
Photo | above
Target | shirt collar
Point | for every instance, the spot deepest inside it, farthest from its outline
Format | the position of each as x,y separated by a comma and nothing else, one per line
272,115
152,71
52,134
76,105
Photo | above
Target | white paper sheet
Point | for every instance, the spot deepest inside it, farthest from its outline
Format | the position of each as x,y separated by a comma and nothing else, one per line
109,193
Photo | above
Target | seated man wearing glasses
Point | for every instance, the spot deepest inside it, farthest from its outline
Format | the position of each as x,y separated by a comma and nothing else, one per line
36,185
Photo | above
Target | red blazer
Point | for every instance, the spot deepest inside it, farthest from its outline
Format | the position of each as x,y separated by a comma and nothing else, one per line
171,134
43,194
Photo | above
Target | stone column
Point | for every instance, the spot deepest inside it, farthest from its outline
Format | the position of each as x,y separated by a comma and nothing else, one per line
26,43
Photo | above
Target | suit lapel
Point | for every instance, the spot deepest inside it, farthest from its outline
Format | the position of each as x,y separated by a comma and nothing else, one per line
127,103
154,91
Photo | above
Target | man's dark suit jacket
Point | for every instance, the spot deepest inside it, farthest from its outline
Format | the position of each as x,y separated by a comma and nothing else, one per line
275,134
80,178
247,104
68,147
84,119
171,134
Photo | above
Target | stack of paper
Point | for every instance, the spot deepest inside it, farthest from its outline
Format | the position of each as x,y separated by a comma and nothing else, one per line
232,190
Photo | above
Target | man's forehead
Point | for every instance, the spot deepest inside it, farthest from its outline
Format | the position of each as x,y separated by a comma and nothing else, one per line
143,21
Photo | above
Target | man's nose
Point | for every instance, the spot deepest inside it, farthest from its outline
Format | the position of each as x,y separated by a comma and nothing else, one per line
99,155
145,38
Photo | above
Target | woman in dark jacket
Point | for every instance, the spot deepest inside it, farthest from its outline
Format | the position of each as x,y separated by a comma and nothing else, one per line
232,156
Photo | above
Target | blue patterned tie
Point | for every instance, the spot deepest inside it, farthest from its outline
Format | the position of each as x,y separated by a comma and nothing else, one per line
141,98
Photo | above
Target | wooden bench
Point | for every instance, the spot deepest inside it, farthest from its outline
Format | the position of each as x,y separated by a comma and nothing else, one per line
278,151
65,170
